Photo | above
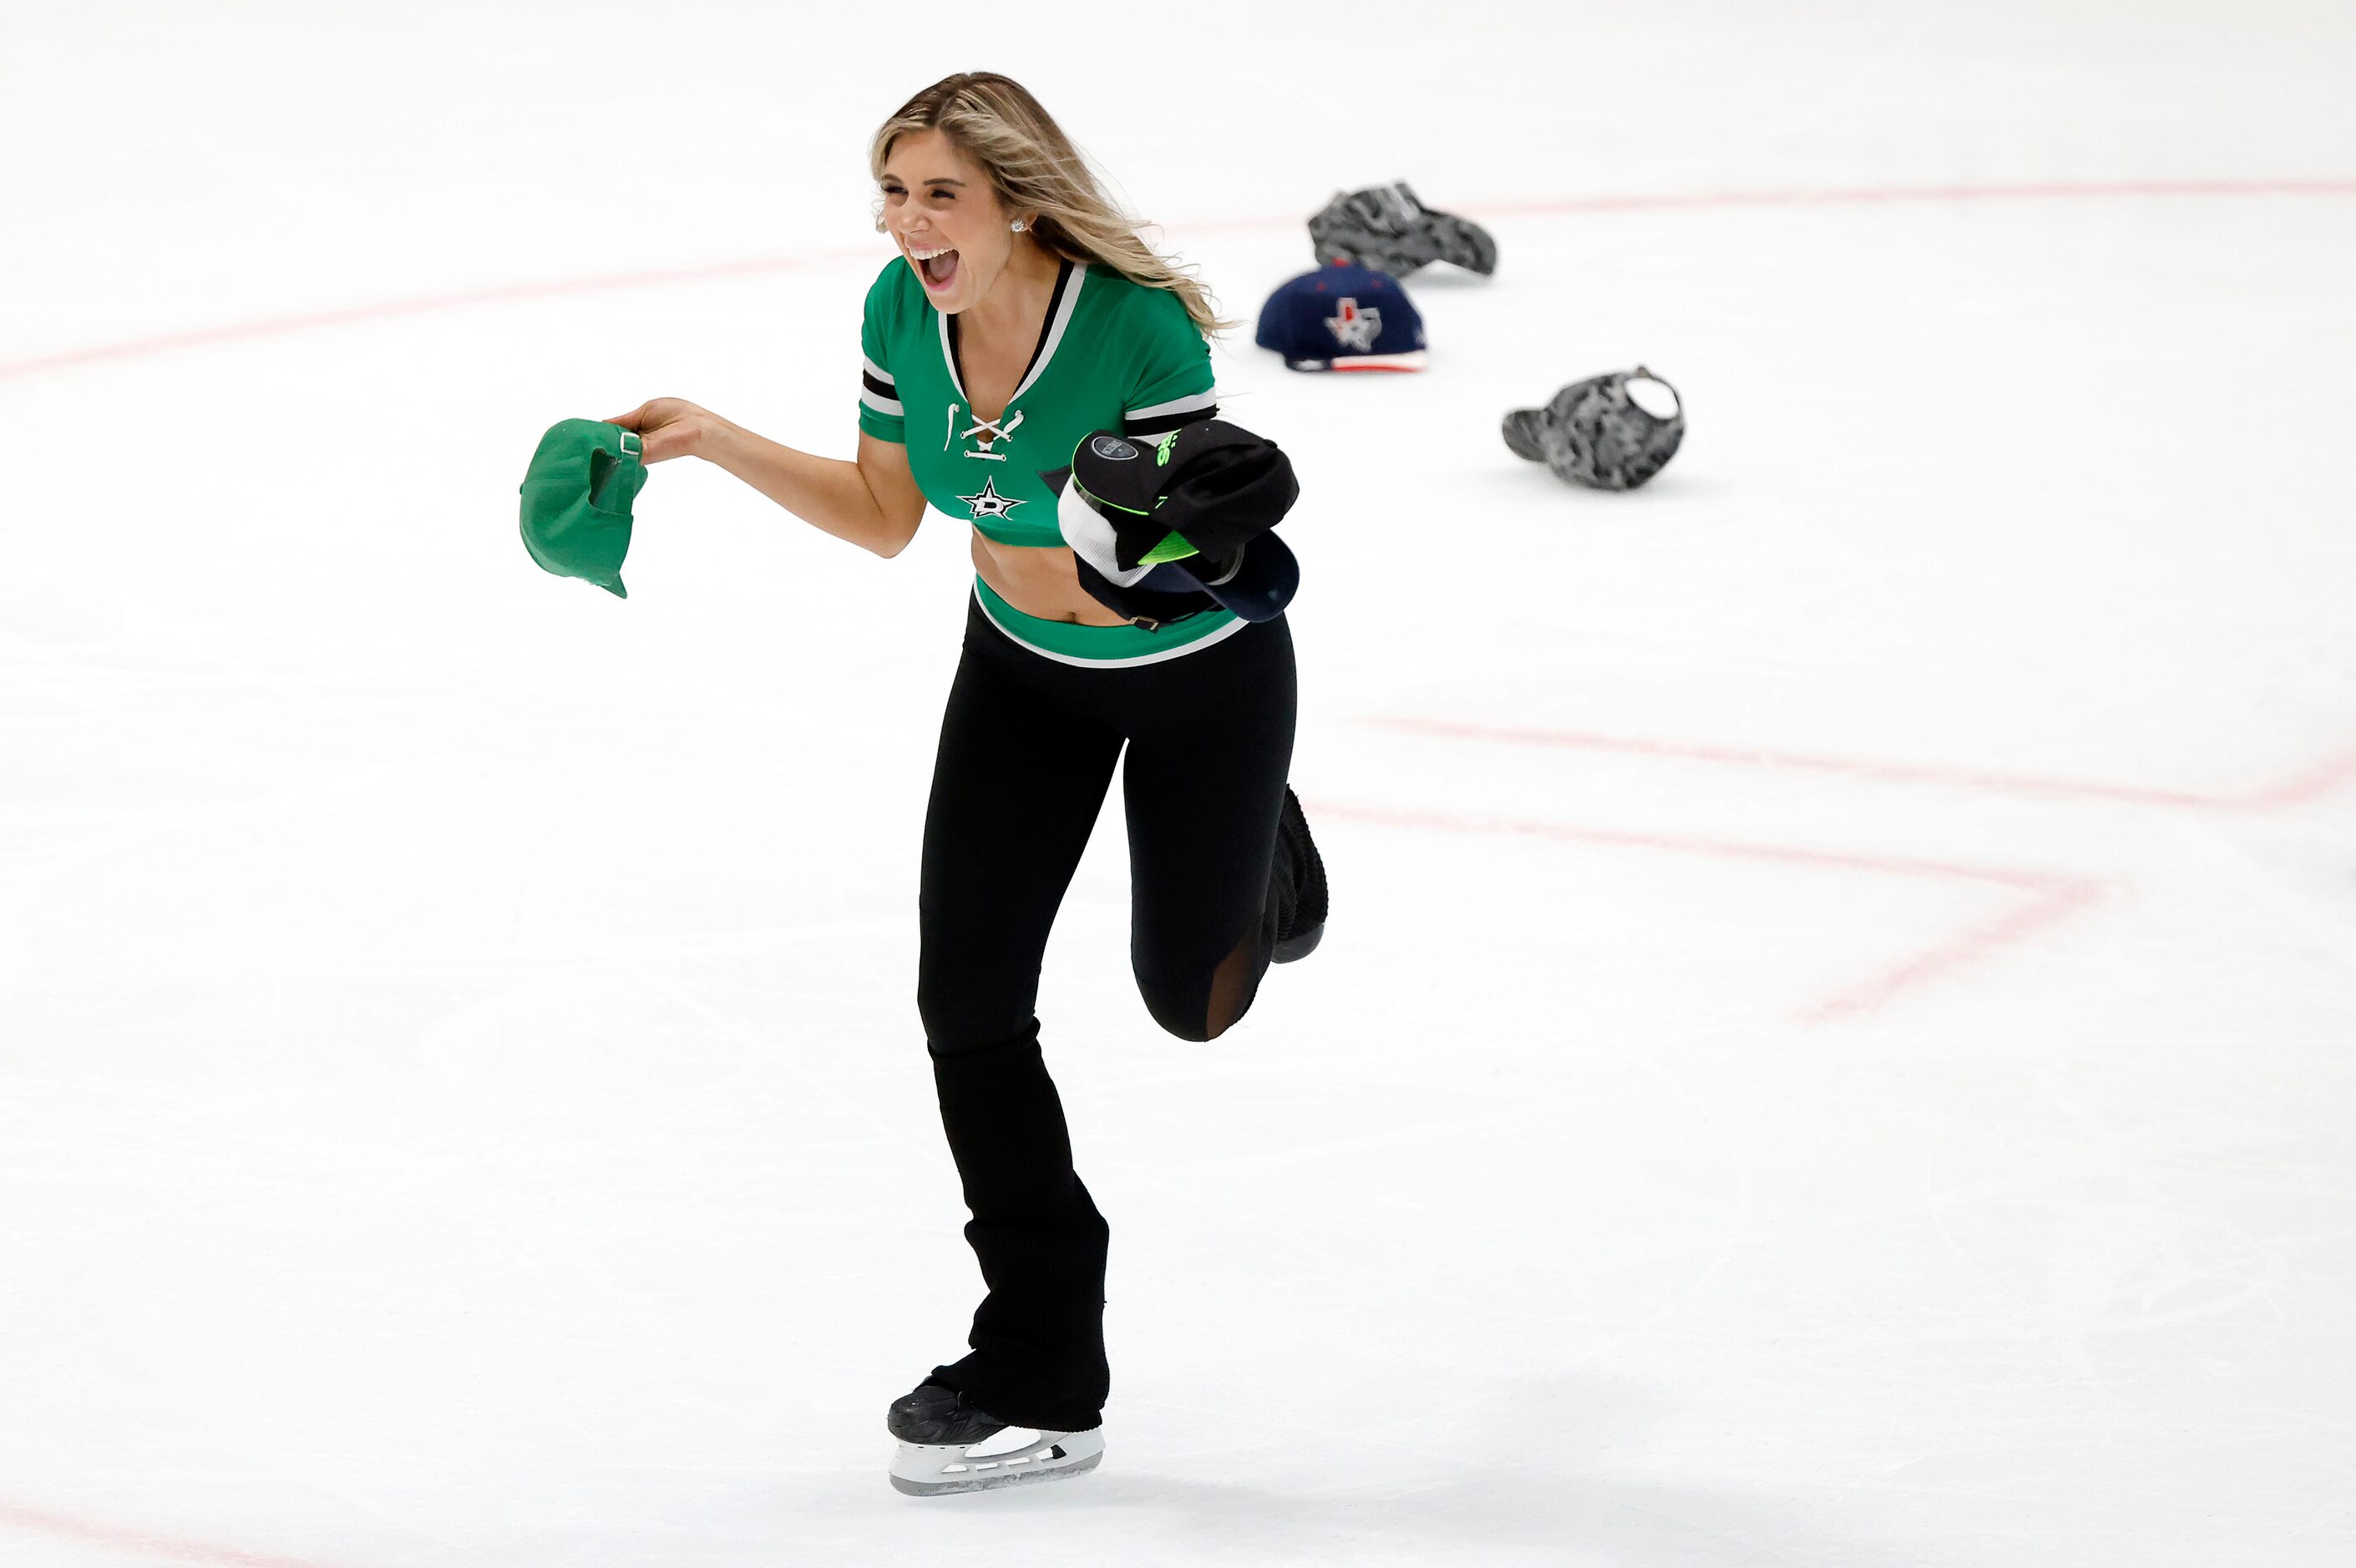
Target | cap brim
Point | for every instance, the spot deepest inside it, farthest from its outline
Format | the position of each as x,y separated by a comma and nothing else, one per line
1158,597
1409,362
1258,588
1522,434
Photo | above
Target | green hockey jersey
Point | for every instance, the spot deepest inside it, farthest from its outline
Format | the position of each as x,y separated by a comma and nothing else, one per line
1113,355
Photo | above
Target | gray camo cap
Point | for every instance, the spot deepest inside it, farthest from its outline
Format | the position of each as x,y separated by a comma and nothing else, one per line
1385,227
1607,432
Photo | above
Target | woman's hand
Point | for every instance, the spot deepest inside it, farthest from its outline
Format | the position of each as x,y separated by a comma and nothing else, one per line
670,427
873,502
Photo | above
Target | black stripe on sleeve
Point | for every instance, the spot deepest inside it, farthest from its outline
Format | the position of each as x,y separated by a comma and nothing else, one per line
1162,424
878,385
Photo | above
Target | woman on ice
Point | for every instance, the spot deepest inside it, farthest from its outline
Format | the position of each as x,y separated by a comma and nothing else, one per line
1023,316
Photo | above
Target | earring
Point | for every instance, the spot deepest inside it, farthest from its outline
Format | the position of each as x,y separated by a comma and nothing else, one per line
1018,226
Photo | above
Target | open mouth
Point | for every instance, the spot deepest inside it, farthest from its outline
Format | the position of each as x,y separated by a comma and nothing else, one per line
936,265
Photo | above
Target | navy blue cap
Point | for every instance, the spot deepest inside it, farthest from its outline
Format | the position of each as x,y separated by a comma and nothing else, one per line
1256,580
1343,316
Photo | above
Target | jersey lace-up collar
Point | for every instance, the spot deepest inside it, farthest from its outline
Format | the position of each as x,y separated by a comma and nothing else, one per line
995,433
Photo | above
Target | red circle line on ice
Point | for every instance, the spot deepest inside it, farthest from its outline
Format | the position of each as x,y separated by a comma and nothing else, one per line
428,304
143,1542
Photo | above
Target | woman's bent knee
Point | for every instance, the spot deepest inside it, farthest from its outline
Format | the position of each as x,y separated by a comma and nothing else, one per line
1195,1029
1191,1012
1206,1005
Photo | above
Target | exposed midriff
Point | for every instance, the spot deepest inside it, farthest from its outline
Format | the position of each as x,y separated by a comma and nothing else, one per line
1037,581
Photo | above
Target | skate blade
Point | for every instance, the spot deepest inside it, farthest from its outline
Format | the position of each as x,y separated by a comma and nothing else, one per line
932,1470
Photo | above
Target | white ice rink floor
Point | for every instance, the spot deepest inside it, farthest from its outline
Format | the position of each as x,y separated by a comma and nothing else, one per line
1836,1042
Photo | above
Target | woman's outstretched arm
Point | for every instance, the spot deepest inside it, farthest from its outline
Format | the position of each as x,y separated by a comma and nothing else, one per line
873,502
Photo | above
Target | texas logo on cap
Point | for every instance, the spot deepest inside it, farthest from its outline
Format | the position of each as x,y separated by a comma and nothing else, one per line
1343,316
1355,327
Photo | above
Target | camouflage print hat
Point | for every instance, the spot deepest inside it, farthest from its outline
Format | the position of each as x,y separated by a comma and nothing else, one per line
1385,227
576,500
1609,432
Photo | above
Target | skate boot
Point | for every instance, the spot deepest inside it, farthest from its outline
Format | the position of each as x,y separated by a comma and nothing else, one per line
948,1446
1300,886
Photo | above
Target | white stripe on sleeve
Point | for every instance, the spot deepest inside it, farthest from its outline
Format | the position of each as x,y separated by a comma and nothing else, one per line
1176,406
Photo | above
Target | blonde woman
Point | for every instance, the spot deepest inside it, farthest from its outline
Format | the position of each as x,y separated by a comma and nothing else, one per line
1022,314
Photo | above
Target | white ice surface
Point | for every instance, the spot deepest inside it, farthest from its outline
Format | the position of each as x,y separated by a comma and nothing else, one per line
1847,1056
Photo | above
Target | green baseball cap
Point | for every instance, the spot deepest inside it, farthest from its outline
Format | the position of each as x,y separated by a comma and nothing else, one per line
576,500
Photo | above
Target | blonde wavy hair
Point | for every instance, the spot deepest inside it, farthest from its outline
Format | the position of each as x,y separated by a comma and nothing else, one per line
1034,169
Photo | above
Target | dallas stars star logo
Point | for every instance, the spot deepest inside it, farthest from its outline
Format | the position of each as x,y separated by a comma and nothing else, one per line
1356,327
989,504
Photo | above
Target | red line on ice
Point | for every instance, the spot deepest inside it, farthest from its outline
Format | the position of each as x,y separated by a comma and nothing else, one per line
2014,925
2046,896
2301,788
1864,196
426,304
124,1537
2293,791
308,321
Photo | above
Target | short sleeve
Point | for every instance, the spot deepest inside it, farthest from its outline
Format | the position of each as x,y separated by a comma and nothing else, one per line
880,413
1174,383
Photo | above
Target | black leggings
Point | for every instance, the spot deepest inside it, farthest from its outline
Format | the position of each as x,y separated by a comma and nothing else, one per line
1027,751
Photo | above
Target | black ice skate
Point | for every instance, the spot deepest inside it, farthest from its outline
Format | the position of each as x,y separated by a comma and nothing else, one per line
948,1446
1300,886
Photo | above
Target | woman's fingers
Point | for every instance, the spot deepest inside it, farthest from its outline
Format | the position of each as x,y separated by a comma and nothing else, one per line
663,445
666,427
